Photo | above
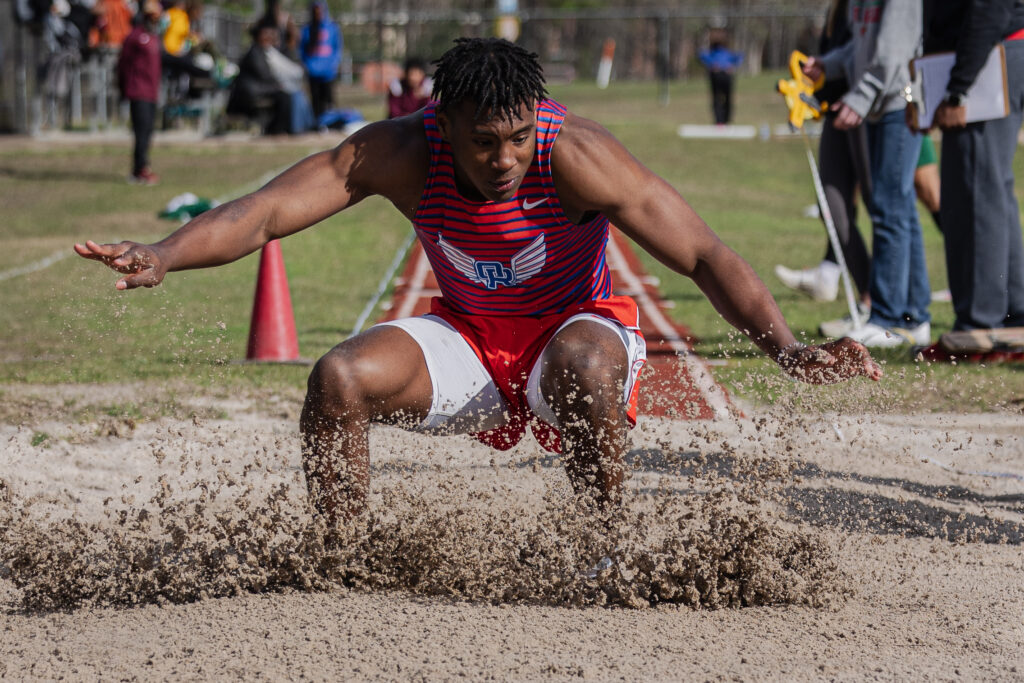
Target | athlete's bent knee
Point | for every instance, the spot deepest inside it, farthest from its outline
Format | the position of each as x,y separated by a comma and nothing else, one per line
335,384
587,362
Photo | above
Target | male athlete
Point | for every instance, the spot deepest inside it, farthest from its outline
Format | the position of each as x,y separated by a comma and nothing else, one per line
511,198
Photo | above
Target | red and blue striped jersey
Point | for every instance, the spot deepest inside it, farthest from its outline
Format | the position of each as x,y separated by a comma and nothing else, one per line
521,256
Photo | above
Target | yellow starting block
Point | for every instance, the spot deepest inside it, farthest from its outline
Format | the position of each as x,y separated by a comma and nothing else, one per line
799,93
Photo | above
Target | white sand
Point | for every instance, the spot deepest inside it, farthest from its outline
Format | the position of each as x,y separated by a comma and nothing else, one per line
930,552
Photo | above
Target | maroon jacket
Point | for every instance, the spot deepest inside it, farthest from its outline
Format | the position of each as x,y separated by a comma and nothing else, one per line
406,103
138,68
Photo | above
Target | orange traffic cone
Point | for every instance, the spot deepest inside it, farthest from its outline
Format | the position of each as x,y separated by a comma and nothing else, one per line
272,329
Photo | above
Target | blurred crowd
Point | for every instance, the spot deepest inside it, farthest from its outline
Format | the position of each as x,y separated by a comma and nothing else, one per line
161,62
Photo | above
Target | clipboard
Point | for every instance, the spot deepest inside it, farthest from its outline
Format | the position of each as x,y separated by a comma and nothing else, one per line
988,97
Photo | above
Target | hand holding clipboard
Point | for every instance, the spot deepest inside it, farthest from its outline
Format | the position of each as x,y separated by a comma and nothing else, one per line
988,98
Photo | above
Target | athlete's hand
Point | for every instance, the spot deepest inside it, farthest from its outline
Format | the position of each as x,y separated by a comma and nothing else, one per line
140,263
829,363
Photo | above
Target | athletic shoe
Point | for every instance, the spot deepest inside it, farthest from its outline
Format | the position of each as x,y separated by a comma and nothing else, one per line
841,327
918,336
144,177
876,336
820,283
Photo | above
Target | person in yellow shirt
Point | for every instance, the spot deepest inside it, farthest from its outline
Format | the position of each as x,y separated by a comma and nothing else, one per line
176,35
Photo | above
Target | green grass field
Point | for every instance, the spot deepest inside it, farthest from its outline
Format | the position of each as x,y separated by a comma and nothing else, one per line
66,323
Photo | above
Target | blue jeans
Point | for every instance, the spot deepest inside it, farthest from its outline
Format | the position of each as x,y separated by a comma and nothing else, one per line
900,293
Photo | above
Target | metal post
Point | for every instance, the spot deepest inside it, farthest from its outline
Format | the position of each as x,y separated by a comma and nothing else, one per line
75,115
663,59
36,108
21,82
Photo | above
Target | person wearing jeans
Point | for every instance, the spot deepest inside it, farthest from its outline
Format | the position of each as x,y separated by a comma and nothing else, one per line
886,35
900,292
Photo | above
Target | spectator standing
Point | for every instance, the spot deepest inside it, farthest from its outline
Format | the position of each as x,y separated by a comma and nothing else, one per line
721,63
410,92
886,35
979,215
138,76
320,46
113,24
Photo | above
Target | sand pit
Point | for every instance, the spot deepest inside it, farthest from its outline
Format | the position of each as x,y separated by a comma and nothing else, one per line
177,544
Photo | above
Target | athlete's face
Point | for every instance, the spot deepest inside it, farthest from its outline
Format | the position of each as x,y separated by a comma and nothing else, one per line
492,156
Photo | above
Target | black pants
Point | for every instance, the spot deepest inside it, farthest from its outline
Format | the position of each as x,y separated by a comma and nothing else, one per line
843,163
980,216
280,122
143,115
721,95
320,96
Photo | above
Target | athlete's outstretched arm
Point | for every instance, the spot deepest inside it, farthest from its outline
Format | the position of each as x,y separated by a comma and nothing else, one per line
593,171
308,192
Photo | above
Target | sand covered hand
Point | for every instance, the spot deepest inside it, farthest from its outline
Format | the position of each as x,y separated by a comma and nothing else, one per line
829,363
140,263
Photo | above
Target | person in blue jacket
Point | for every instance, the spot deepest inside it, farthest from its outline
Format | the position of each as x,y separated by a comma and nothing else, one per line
721,63
320,49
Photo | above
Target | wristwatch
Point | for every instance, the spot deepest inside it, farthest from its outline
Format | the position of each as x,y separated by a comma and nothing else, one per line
955,99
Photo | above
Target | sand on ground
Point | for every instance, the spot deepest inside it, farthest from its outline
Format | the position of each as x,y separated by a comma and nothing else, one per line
781,544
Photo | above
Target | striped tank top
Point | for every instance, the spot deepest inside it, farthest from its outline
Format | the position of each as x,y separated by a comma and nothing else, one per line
517,257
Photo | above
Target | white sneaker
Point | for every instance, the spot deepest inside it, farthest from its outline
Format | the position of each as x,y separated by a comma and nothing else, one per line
840,327
918,336
820,283
876,336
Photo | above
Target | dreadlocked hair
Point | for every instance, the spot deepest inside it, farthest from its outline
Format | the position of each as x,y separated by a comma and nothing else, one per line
497,75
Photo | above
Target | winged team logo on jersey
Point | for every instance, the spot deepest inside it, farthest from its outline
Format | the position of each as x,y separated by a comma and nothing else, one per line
527,262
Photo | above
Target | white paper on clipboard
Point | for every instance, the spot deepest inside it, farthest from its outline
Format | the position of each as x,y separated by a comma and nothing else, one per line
987,98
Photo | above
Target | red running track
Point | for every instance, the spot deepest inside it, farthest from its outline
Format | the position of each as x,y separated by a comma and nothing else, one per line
675,383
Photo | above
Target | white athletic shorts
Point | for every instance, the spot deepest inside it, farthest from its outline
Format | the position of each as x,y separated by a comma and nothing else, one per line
466,399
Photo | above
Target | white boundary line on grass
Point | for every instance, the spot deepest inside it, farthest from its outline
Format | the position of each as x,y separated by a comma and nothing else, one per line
35,267
694,365
56,256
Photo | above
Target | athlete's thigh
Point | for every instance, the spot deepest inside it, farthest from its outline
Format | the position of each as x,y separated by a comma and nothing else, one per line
464,397
385,368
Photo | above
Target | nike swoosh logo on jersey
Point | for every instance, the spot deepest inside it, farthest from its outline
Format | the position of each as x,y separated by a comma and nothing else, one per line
527,204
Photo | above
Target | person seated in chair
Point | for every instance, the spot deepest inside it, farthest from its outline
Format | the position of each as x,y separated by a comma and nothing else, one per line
256,92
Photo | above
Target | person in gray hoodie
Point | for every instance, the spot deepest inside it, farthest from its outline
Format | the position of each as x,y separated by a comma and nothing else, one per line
875,62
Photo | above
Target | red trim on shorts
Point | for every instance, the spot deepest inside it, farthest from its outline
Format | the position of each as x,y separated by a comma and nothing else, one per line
509,346
1016,35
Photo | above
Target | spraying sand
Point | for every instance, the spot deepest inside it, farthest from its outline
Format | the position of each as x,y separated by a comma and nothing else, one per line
785,543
